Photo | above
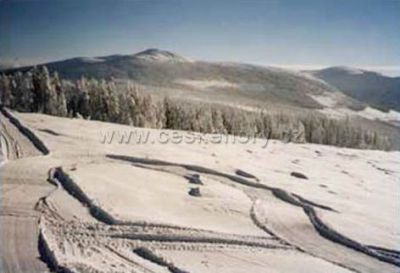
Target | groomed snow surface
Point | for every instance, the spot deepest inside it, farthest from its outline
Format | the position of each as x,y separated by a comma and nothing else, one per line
111,207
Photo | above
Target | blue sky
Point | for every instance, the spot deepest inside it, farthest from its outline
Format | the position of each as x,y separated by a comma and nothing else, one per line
291,33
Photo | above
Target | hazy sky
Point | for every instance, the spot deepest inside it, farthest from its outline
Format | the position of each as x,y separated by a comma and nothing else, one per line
290,33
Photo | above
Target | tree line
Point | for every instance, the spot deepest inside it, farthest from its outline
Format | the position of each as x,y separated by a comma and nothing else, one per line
39,91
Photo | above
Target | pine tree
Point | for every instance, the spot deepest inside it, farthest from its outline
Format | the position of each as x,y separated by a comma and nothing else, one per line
124,112
112,102
217,121
78,100
137,114
5,89
160,115
51,102
38,95
131,107
45,97
204,118
98,96
60,104
27,95
84,104
16,91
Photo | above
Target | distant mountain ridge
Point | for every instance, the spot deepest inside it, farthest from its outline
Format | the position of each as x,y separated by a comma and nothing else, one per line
168,70
366,86
222,81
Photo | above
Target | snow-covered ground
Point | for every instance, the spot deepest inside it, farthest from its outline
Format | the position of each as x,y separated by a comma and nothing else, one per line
332,108
206,84
115,207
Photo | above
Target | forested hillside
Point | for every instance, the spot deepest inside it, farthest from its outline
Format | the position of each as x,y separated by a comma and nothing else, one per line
39,91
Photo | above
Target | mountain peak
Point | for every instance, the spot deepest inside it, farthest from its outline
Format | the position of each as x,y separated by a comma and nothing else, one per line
158,55
345,70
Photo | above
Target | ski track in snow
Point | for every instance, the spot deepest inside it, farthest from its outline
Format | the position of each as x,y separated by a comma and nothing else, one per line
76,233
